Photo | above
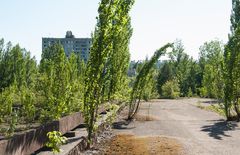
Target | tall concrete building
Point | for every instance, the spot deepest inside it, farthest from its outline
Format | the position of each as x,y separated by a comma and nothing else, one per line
80,46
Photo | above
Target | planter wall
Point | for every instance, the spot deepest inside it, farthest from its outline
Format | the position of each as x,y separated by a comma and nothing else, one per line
32,140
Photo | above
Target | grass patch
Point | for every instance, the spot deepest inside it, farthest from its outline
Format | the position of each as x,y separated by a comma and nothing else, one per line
217,109
214,108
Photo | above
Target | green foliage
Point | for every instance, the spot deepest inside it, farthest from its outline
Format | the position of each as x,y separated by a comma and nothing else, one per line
110,41
28,101
203,92
54,83
112,113
232,76
216,108
42,93
6,100
60,83
150,90
203,77
120,49
55,140
142,79
8,114
231,65
17,65
212,55
165,74
190,93
182,68
235,16
171,89
13,120
18,72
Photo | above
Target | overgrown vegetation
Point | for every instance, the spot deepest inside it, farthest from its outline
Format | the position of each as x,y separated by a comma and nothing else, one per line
141,81
38,93
106,73
55,140
59,85
171,90
231,65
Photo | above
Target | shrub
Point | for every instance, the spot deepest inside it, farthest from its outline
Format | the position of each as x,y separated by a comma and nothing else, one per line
203,92
171,89
190,93
55,141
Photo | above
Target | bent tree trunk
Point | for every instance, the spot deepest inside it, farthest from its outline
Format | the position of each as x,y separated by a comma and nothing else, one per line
141,81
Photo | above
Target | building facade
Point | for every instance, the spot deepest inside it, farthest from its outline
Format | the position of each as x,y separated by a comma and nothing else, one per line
80,46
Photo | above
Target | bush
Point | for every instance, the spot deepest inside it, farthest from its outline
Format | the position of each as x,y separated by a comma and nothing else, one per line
171,89
190,93
55,141
203,92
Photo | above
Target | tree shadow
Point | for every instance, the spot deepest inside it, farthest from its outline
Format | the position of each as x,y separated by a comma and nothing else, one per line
121,125
211,102
219,128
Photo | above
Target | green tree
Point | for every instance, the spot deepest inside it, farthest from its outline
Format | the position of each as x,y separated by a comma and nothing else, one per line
120,49
165,74
212,54
75,90
16,64
28,102
101,52
181,66
235,16
54,84
232,76
142,79
151,91
231,64
171,89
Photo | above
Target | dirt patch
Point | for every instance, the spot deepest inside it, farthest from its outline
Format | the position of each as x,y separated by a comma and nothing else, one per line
129,144
142,118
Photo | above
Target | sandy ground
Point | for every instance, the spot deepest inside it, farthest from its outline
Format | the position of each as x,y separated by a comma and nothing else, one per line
131,145
170,126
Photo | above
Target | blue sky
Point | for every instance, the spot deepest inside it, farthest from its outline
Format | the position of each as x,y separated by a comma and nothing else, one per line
155,22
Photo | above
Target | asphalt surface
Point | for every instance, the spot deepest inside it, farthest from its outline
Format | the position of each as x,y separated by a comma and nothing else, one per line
200,132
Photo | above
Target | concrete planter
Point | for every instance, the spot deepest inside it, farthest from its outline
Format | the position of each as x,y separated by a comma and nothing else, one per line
32,140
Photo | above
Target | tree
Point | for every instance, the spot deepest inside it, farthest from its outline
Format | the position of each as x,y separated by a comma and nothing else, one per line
117,75
75,90
16,64
232,76
231,64
54,83
150,91
235,16
100,56
194,78
142,79
165,74
171,89
181,66
212,54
